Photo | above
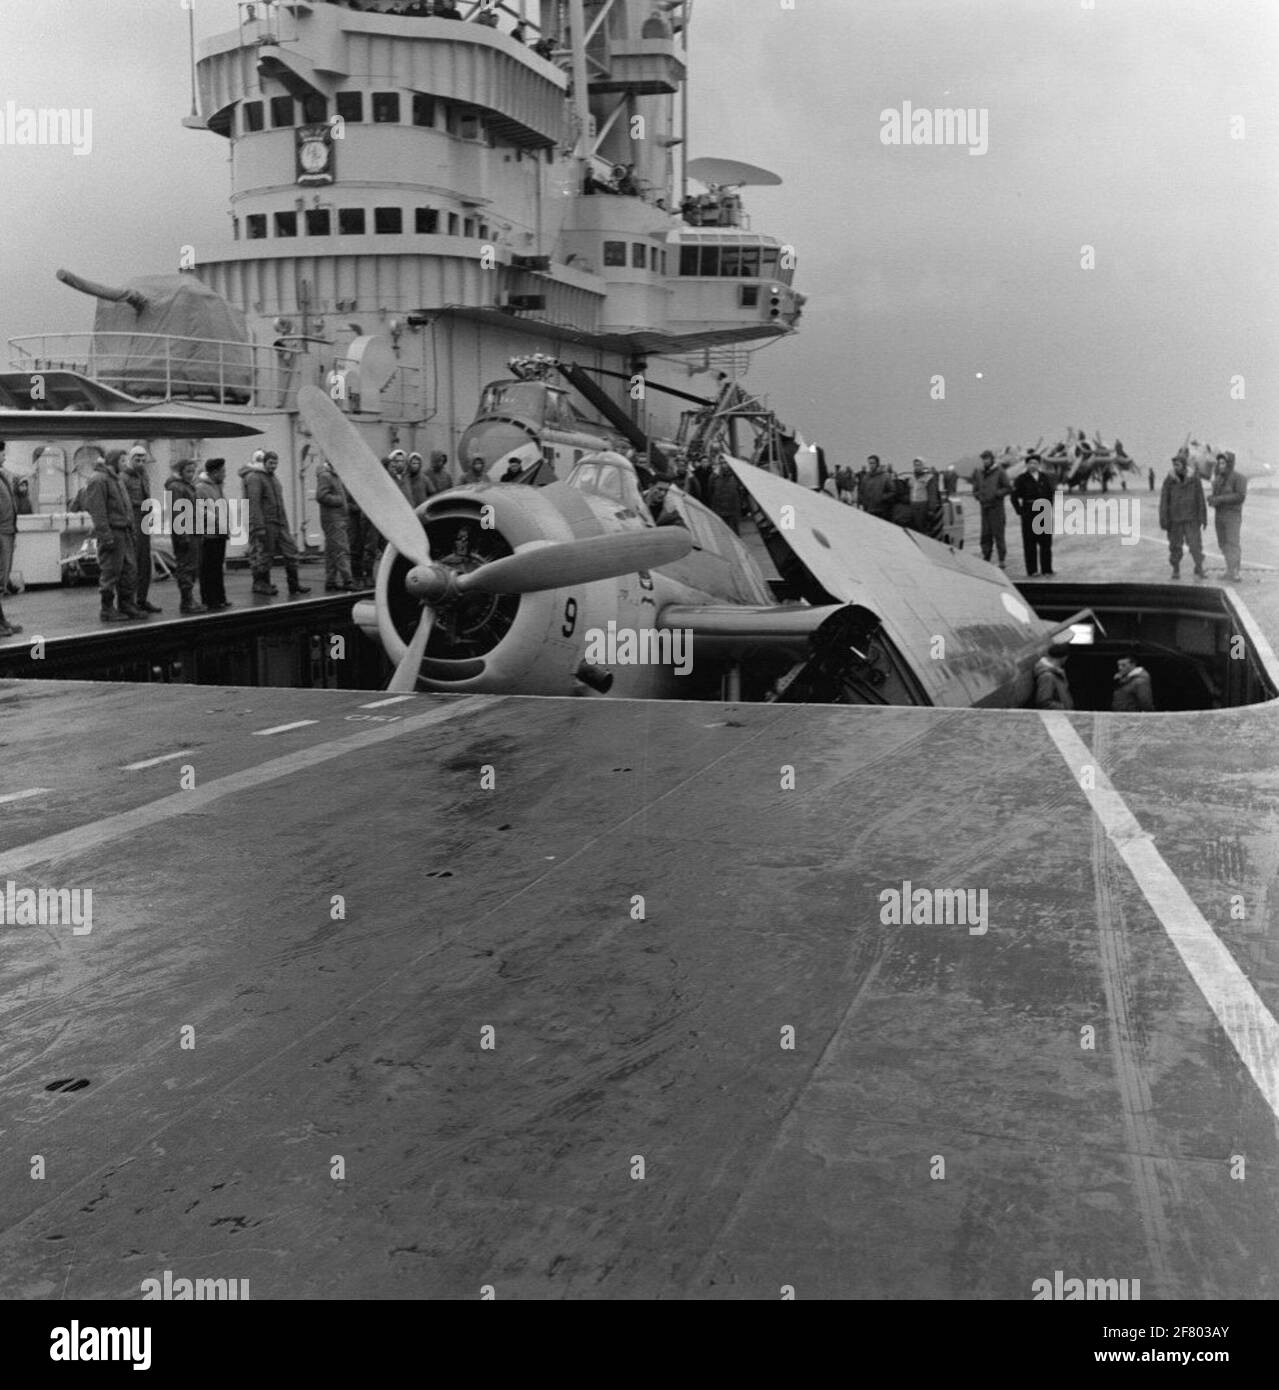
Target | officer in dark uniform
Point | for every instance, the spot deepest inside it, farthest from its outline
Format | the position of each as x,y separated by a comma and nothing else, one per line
1032,501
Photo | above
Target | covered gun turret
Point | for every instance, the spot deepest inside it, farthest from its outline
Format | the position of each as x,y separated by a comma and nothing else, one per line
168,336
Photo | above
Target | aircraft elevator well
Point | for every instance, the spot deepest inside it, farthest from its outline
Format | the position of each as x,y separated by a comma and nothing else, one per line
1199,643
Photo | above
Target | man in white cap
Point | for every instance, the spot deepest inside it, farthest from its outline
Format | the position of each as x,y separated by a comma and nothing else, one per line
137,483
925,498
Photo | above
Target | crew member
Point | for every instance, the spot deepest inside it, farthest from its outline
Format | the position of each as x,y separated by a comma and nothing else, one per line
476,474
438,478
1150,473
1052,688
269,535
991,486
845,484
180,485
332,499
108,504
878,491
725,496
1226,499
1032,501
659,504
1132,688
1183,515
22,494
418,490
950,481
925,498
137,483
210,489
8,538
357,526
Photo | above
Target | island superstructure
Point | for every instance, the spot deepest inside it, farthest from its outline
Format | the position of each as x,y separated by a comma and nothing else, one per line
417,198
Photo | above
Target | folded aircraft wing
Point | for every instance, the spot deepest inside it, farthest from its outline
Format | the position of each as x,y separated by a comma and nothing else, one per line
960,625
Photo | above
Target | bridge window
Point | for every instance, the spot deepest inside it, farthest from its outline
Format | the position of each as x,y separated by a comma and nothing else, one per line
426,221
768,263
388,221
639,255
614,253
423,109
386,108
750,262
315,108
454,223
350,222
252,115
350,106
318,222
730,261
708,262
468,226
484,231
688,260
255,226
663,256
281,112
749,296
286,224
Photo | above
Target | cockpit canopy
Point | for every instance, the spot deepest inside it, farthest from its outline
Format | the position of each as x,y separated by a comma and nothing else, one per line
541,405
612,477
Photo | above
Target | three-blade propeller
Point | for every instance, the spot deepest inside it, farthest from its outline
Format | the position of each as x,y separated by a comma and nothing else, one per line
550,565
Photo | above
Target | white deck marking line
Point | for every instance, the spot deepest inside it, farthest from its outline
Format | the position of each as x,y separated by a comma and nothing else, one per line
22,796
155,762
84,838
394,700
284,728
1248,1023
1255,635
1209,554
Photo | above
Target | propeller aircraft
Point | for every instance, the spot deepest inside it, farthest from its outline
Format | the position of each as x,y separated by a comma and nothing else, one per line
507,588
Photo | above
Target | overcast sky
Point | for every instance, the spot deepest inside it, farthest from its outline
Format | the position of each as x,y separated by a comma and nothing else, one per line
1108,127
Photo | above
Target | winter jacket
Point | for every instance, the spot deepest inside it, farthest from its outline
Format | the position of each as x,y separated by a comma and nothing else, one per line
8,503
725,497
137,484
1181,500
878,492
1132,692
1052,690
107,503
266,499
1228,492
219,523
991,486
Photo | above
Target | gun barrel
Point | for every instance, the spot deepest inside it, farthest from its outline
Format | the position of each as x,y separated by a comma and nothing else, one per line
134,298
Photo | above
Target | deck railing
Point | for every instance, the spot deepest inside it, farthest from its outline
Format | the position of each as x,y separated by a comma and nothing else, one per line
164,367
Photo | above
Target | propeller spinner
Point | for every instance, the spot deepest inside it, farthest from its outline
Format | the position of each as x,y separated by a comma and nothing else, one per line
536,567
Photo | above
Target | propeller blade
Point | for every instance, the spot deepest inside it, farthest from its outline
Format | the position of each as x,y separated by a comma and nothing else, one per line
404,682
566,563
365,478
